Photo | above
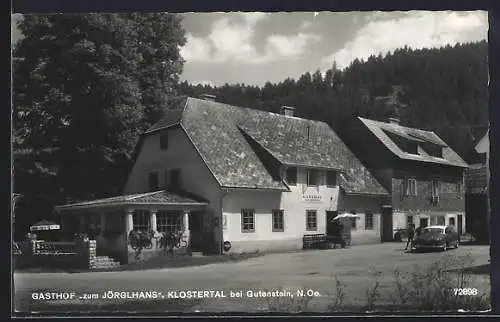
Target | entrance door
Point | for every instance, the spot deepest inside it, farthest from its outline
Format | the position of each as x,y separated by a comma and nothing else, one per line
424,222
196,231
330,226
459,224
387,234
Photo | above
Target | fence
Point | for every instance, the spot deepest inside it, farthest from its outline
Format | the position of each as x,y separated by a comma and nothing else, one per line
55,248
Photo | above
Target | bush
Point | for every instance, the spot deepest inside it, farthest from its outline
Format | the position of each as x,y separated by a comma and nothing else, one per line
429,289
433,289
295,304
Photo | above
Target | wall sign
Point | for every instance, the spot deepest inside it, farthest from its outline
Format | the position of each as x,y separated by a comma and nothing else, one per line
311,197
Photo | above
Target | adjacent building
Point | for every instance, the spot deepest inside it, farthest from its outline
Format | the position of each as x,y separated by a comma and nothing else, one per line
247,179
477,187
424,176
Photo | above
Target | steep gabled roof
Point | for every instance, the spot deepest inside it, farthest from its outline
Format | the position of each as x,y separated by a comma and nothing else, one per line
483,142
218,133
381,130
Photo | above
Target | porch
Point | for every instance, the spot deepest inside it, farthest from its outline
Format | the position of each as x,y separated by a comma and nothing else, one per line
135,227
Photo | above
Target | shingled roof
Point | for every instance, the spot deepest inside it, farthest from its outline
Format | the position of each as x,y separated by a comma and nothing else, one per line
380,129
218,132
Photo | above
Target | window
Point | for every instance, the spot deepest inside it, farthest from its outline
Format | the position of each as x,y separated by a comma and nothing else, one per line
433,220
153,181
409,221
311,220
433,150
459,190
141,220
175,179
312,177
165,179
278,220
164,140
291,176
441,221
368,220
353,221
452,221
435,188
411,187
168,222
247,220
331,178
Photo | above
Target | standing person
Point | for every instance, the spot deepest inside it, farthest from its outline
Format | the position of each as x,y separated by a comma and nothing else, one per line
411,235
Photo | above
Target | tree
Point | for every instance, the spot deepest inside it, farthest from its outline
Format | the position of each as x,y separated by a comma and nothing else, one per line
444,89
160,38
83,90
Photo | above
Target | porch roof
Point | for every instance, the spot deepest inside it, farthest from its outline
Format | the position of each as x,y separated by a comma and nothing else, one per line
156,198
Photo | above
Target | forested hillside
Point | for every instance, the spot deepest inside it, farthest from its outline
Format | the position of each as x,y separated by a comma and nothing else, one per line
443,89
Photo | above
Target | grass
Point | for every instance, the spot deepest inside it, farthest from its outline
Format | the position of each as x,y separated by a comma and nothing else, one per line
427,288
432,289
424,289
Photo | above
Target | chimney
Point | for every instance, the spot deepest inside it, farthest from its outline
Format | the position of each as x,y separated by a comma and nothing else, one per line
208,97
393,120
287,110
392,115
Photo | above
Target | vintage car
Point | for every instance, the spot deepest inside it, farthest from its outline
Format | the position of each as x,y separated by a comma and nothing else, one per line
436,237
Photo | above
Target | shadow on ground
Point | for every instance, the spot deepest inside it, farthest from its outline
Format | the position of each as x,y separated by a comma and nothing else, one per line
475,270
162,261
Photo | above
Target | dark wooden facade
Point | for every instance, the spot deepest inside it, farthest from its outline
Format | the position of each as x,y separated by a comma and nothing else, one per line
393,173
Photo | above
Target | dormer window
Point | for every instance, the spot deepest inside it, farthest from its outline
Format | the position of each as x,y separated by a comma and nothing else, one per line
164,140
433,150
291,176
312,177
403,142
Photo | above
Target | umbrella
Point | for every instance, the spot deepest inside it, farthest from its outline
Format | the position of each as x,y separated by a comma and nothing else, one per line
45,225
345,215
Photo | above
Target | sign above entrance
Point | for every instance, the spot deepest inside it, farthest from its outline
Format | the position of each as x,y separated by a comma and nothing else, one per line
311,197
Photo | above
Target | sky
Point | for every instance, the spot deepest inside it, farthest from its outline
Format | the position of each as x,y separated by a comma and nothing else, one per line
255,47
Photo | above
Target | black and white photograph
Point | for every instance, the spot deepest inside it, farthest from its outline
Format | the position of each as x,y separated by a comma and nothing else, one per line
250,162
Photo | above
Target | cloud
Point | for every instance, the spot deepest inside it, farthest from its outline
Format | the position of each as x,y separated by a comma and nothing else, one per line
415,30
203,82
290,46
196,48
233,42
